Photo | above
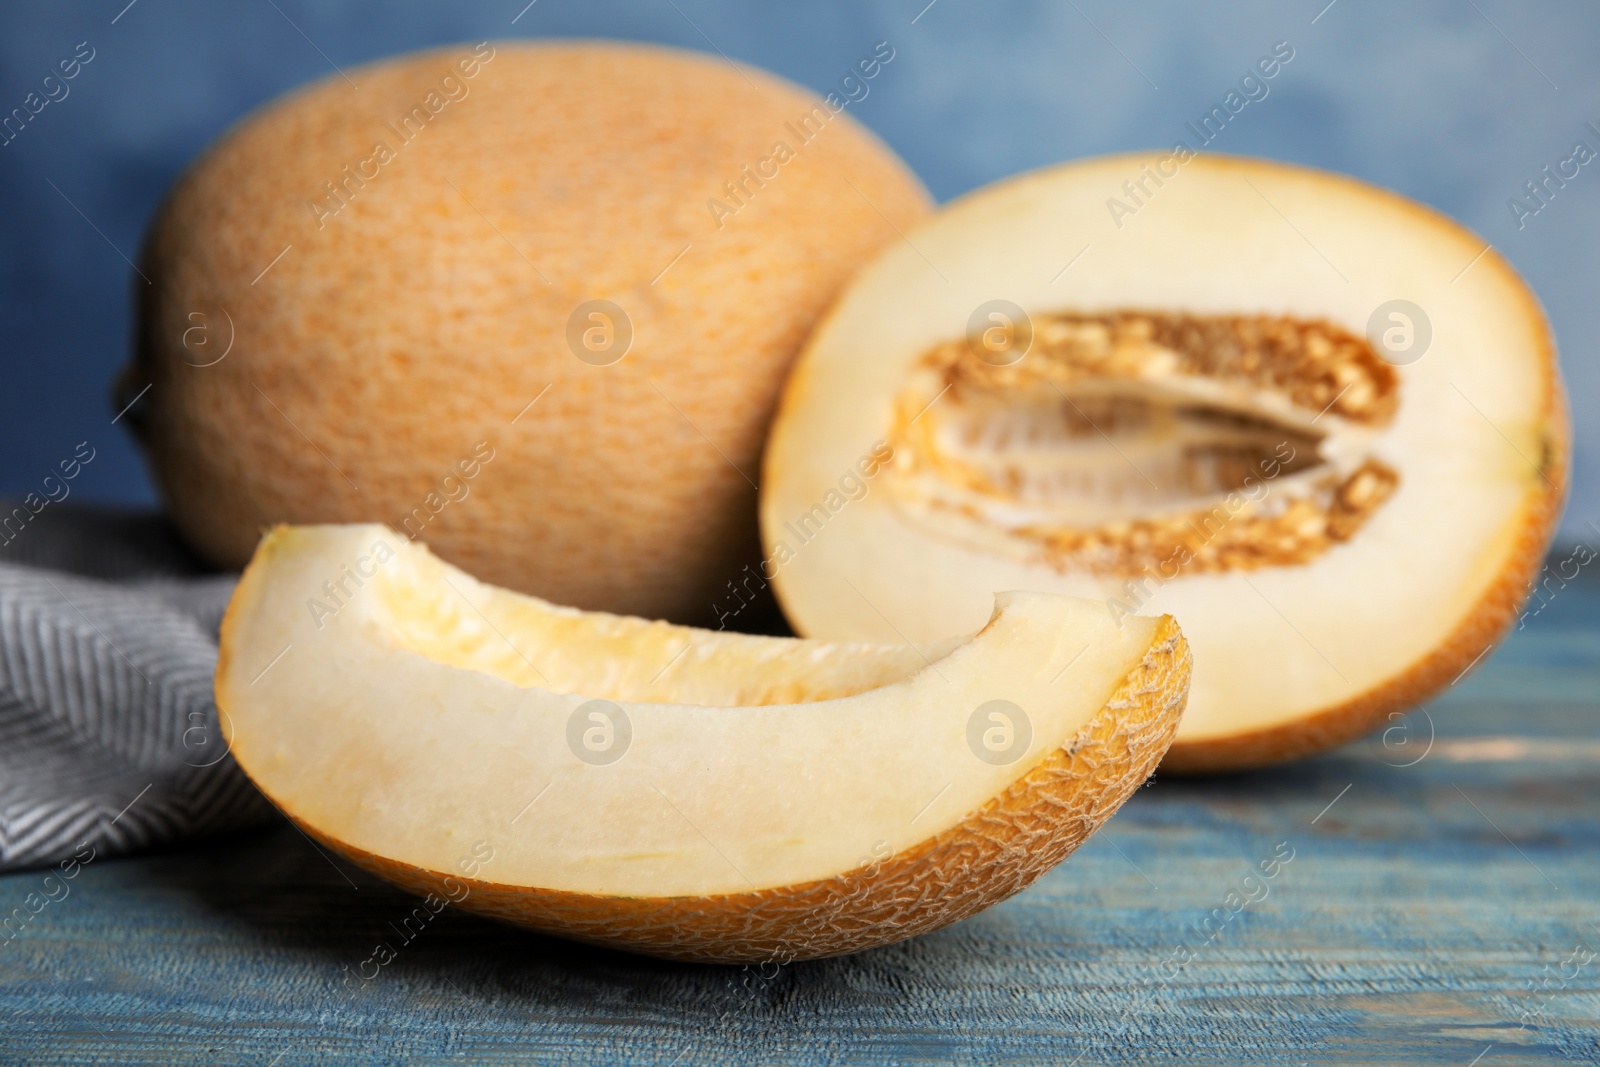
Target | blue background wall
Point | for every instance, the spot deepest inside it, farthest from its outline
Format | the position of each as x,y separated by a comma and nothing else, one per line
1456,103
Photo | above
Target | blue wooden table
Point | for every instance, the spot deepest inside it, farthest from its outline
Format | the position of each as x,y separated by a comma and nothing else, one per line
1434,898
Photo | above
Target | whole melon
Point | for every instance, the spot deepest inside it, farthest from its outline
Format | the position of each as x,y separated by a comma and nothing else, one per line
531,304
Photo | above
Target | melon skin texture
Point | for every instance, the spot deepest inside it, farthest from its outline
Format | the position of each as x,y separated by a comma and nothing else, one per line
1426,484
776,799
420,354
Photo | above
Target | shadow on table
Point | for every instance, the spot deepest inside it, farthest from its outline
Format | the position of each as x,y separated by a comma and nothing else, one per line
329,923
294,896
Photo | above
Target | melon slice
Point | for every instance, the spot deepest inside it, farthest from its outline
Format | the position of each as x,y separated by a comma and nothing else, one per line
1319,424
679,792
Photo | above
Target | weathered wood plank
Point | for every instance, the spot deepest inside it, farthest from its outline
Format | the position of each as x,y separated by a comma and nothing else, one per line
1429,913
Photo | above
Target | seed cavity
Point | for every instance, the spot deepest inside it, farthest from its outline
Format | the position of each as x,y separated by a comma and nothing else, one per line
1131,440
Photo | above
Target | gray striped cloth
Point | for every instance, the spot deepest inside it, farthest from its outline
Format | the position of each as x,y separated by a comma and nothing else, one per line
108,732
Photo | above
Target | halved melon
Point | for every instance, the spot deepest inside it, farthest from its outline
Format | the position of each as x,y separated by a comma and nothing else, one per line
1319,424
678,792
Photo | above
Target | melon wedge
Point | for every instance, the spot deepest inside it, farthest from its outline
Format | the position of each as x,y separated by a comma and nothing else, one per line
1319,424
678,792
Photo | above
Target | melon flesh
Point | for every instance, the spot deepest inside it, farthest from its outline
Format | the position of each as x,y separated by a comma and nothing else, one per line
415,718
1192,418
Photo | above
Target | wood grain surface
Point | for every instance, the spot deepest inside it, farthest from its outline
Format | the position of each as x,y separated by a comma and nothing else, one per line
1428,895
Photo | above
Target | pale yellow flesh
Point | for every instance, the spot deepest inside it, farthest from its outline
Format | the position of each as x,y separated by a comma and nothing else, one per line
1224,237
429,713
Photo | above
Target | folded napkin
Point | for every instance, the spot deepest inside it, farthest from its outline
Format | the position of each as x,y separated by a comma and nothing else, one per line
108,731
